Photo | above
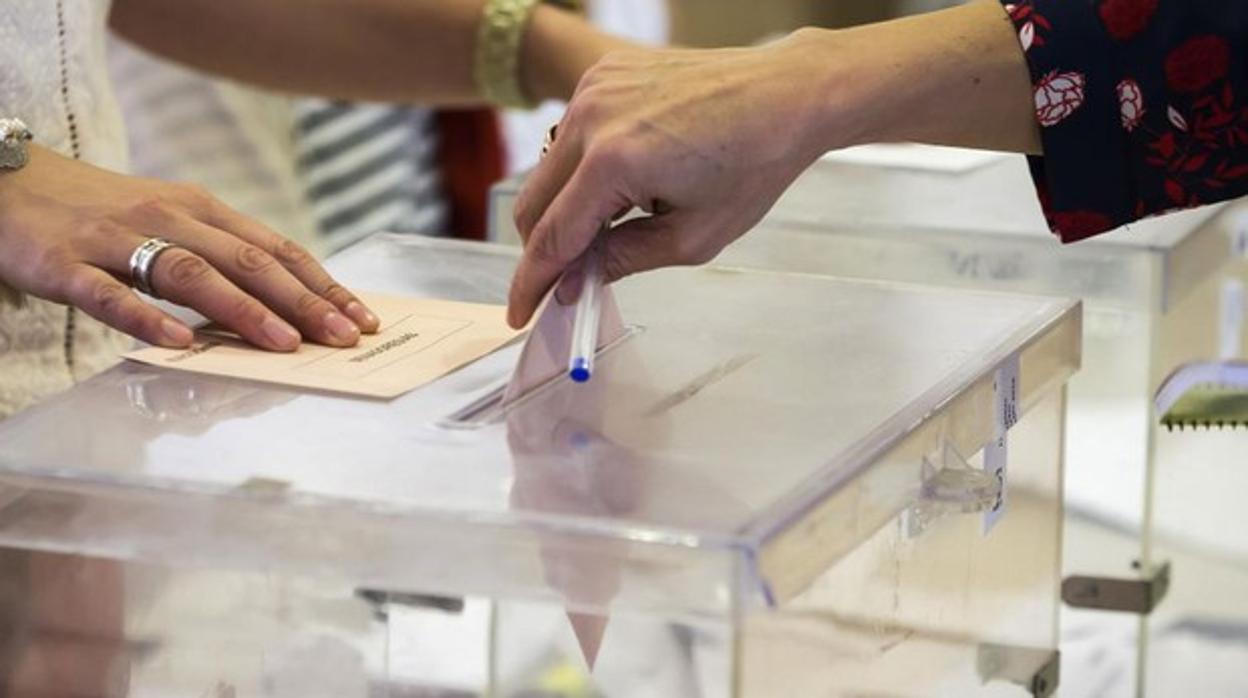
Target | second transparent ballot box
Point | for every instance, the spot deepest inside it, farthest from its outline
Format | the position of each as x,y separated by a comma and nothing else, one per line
775,484
1157,293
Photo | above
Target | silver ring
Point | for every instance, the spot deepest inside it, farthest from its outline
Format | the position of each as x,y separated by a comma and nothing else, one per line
142,261
550,139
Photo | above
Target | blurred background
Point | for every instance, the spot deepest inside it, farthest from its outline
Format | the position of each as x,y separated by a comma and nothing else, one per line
328,173
723,22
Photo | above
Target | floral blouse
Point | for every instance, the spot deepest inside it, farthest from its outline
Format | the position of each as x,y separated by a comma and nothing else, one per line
1142,104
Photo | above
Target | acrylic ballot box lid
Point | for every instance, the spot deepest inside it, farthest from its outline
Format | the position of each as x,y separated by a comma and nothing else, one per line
982,211
935,187
749,431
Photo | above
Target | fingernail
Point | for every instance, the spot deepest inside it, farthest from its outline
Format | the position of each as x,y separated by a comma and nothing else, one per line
341,329
279,333
513,318
176,334
362,315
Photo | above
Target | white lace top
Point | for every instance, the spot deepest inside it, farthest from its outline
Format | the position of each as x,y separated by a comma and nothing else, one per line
52,76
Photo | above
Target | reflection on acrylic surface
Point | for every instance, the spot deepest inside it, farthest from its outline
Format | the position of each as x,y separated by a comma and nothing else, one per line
62,617
565,465
62,626
129,407
588,451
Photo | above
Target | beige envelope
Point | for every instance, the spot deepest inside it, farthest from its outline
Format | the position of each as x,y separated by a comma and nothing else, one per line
420,340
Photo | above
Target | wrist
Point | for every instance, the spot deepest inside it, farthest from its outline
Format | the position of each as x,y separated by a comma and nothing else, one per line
952,77
558,48
835,104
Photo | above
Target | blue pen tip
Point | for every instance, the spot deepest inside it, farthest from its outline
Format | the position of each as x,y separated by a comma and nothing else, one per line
579,371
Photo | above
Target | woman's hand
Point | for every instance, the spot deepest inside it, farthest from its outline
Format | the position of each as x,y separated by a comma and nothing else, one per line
67,231
704,140
708,140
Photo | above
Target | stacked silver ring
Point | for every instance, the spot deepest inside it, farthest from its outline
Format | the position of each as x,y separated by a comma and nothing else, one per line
549,141
142,261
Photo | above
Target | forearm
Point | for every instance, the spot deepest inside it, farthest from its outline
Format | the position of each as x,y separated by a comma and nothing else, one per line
393,50
954,77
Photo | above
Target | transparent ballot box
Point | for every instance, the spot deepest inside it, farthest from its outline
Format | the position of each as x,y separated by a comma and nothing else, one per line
1142,505
774,485
1156,294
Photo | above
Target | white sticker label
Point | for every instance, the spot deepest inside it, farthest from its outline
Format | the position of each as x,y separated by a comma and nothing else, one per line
1004,416
1231,332
1005,395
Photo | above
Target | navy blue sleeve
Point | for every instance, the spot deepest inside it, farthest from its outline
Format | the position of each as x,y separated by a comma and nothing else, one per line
1142,106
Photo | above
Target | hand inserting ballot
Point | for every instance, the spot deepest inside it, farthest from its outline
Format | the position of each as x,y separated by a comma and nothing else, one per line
638,134
707,140
68,233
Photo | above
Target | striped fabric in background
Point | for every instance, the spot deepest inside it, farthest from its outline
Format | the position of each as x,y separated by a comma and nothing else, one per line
368,167
323,173
183,126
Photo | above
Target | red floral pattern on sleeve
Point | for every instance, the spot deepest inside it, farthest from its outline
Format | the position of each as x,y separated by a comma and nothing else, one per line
1081,224
1058,95
1130,103
1031,24
1123,19
1197,63
1139,106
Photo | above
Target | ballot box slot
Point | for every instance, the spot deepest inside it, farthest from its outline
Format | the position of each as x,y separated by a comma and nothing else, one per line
489,408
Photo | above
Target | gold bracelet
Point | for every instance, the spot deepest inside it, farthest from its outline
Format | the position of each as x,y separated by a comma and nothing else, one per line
497,68
499,37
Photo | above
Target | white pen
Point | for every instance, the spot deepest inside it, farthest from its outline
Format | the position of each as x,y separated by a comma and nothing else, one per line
588,315
588,306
